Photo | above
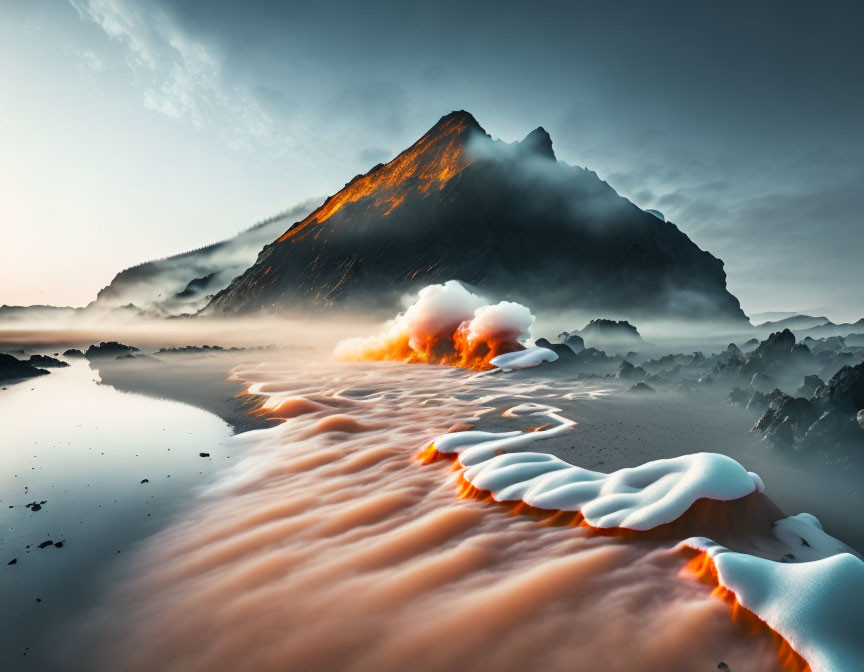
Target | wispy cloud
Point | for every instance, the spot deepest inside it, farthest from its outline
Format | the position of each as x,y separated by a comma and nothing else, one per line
183,78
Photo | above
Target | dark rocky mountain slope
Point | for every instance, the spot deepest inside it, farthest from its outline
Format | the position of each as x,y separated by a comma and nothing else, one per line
508,219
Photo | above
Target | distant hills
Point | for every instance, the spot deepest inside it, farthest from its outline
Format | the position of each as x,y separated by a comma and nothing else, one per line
184,283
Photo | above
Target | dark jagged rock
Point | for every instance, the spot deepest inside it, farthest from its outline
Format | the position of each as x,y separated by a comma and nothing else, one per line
538,143
811,384
195,349
777,352
611,334
196,286
563,351
47,362
12,368
827,422
594,361
786,420
629,372
573,340
109,349
459,205
642,388
750,346
72,353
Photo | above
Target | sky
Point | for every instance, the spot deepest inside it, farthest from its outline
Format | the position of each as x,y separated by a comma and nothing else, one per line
135,130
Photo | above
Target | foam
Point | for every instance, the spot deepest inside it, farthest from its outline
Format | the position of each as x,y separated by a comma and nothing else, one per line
524,359
637,498
816,606
446,324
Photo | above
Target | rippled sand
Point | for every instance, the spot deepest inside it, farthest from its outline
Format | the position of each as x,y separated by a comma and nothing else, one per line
331,547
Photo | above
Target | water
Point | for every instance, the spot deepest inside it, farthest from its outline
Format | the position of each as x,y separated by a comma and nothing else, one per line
84,448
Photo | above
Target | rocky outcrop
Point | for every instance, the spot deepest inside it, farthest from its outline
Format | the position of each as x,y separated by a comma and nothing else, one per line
827,422
47,362
109,350
12,368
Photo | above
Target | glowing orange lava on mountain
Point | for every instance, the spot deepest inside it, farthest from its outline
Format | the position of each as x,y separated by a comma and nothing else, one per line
430,162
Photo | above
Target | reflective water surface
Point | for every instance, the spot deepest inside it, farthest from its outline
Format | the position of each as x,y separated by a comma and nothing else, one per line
80,450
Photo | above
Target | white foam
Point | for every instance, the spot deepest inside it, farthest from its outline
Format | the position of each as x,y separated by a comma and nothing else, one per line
816,606
524,359
637,498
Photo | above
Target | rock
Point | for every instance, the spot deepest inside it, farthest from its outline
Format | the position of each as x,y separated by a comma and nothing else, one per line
564,352
204,454
145,480
13,561
12,368
845,390
73,353
47,362
642,388
860,417
811,384
45,544
573,340
109,349
609,334
629,372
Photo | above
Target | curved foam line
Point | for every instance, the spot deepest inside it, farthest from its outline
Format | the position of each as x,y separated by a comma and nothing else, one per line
638,498
814,605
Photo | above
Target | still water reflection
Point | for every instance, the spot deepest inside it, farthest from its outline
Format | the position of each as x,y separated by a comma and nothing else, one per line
84,449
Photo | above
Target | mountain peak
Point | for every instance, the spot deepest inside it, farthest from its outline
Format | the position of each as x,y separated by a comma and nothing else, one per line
539,142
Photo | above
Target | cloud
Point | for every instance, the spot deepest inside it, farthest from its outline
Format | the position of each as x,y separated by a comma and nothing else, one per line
183,78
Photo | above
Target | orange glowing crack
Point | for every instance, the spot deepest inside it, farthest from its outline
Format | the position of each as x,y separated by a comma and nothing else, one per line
419,167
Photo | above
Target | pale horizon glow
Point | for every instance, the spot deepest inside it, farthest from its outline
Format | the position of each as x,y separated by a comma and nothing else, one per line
134,131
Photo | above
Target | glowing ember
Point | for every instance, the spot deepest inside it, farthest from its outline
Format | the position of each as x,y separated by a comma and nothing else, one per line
447,325
430,162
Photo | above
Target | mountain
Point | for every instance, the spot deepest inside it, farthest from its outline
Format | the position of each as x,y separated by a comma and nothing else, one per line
611,336
508,219
793,322
30,314
830,329
184,283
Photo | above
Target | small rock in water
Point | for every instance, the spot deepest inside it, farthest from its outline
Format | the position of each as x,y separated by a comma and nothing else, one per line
58,544
722,666
145,480
13,561
204,454
45,544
